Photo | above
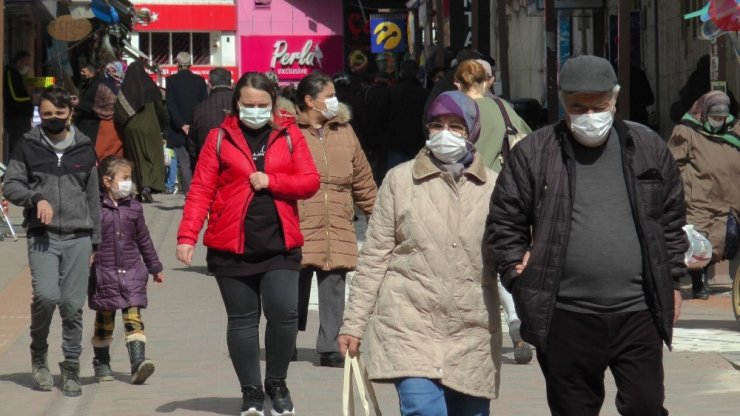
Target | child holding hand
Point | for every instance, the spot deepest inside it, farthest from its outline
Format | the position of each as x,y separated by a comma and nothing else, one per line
124,261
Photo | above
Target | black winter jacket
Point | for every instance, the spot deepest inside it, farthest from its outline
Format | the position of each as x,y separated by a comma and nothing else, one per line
531,210
69,184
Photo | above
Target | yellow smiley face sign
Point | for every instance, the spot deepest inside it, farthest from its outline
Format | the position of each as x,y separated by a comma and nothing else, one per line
388,35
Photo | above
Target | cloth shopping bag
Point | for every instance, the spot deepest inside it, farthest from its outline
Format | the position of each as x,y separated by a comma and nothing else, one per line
355,371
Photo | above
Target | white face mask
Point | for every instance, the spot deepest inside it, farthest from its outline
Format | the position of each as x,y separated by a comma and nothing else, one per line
447,147
255,117
25,70
124,189
715,125
592,130
332,108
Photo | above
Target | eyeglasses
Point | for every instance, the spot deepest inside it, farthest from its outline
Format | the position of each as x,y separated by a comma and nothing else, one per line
456,129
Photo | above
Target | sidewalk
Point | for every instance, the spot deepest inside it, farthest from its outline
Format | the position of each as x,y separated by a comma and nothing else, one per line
186,327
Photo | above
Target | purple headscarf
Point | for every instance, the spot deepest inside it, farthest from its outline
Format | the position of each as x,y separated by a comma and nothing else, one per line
459,104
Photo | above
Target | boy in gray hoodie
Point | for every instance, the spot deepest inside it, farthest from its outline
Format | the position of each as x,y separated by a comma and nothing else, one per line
52,175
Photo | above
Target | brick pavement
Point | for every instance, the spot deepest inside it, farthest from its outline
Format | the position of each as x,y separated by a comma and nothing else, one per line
185,324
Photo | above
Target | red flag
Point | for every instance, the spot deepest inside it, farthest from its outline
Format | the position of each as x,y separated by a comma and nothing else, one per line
725,14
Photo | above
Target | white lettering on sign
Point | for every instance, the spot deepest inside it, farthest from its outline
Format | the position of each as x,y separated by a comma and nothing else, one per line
307,56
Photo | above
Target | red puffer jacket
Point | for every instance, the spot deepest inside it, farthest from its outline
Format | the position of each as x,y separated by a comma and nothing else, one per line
222,189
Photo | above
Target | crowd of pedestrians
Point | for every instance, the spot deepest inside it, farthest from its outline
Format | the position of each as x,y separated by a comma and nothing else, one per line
574,231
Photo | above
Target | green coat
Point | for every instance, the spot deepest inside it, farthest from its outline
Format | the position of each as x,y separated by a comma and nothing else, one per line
142,144
492,128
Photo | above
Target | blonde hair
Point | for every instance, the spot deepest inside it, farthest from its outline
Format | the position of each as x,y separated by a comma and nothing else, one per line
470,73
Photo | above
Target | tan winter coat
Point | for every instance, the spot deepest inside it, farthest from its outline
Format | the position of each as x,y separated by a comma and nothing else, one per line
710,170
346,179
420,299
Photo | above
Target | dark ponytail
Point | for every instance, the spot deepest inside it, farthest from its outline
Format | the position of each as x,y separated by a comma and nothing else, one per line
310,85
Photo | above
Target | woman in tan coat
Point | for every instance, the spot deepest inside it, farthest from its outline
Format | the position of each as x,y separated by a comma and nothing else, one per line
330,248
435,329
706,146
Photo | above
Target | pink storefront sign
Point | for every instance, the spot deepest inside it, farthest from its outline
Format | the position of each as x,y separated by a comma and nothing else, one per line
292,57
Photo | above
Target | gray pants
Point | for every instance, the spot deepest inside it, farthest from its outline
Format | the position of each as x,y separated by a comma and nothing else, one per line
331,305
183,165
59,274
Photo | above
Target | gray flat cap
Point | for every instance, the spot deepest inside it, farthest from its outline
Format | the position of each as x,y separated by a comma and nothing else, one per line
587,73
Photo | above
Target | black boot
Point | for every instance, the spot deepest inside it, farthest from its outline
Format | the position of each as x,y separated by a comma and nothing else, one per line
42,379
699,284
101,364
70,378
141,367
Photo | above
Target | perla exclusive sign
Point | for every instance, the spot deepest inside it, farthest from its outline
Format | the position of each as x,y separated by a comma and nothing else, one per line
292,57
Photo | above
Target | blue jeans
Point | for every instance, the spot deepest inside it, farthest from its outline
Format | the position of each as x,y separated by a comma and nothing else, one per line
171,173
425,397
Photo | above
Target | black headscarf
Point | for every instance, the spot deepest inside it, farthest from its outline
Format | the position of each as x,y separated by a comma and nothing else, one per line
137,90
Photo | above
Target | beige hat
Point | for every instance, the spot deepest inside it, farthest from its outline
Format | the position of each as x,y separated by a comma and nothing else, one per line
486,66
183,59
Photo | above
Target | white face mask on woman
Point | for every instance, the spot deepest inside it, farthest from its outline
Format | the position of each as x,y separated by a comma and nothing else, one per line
255,117
124,189
332,108
715,124
447,147
592,130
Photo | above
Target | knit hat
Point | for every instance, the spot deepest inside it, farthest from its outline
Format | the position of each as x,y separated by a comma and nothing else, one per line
486,66
459,104
586,73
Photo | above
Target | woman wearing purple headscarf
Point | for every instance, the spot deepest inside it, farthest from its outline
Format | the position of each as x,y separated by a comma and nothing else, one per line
706,146
435,330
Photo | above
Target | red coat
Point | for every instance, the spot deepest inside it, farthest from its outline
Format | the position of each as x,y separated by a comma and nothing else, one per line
221,186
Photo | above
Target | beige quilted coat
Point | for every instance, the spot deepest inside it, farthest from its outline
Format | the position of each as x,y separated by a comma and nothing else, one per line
421,300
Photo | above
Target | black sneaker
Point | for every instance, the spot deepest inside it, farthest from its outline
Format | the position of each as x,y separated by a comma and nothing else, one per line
279,394
253,399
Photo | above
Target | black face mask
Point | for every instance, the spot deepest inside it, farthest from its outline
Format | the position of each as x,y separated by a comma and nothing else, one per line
54,125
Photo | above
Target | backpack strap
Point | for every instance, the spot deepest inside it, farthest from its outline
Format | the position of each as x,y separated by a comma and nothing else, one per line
510,129
218,144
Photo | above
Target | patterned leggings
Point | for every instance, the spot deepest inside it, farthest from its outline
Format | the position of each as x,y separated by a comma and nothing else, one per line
105,323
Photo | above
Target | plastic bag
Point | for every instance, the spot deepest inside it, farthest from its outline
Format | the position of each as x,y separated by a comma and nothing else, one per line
169,154
700,249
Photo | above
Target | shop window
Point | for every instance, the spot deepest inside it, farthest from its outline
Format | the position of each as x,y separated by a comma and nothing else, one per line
164,47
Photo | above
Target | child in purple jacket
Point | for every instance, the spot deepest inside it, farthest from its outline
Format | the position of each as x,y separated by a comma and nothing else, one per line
123,263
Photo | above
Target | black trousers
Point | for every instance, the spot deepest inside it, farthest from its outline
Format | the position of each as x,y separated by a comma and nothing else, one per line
580,347
277,292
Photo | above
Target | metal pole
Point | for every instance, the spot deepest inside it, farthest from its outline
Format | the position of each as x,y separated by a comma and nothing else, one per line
625,45
440,20
503,48
551,45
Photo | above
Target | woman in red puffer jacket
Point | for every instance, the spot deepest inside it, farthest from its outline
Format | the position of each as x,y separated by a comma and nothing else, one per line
249,175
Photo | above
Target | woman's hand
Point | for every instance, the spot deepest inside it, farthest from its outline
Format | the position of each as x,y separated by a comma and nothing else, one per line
44,212
259,181
185,253
520,267
348,343
158,277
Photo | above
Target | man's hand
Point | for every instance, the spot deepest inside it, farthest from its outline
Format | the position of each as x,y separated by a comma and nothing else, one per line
44,212
186,129
677,301
185,253
259,181
4,206
520,267
348,343
158,277
92,259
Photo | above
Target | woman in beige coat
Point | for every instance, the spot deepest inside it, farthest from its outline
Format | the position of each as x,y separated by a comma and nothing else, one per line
706,146
330,248
435,329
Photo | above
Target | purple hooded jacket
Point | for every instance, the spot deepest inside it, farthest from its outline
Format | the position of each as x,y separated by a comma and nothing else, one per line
125,258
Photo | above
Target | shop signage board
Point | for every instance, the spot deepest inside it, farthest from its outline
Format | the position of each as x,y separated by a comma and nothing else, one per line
196,18
201,70
68,29
388,34
292,57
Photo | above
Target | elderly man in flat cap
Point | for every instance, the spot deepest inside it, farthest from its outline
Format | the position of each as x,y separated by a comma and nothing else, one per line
585,231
